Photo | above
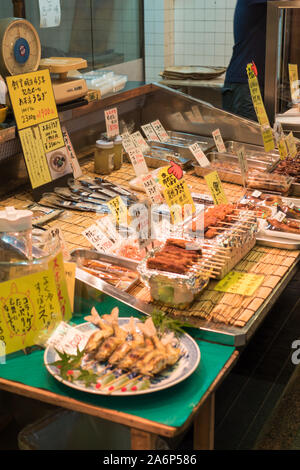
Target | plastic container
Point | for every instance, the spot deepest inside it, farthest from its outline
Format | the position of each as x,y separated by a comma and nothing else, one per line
104,157
118,148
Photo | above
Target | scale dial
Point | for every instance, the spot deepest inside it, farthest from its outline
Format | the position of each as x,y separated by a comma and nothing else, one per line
20,50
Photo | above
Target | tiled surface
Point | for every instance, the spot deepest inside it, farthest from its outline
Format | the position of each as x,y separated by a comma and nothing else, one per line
202,33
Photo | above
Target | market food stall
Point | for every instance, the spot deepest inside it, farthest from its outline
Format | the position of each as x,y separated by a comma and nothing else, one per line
219,290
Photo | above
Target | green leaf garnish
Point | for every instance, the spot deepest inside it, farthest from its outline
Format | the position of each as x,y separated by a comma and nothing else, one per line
164,323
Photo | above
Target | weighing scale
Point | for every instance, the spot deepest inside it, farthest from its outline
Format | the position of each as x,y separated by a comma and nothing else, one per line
20,52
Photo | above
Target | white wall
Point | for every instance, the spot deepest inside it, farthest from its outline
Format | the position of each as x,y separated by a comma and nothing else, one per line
202,33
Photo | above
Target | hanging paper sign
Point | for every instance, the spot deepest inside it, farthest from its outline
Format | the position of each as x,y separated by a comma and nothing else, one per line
150,133
40,132
219,141
160,131
176,193
216,189
32,304
240,283
50,13
199,155
119,211
259,108
111,122
152,189
294,82
291,145
139,141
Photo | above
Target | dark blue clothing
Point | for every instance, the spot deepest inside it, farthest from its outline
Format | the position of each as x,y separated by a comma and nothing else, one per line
250,17
249,40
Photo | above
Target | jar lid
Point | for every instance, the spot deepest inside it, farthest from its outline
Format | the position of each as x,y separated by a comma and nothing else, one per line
118,139
104,144
12,220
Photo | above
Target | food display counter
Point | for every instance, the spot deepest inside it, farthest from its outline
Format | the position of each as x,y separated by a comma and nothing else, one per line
244,242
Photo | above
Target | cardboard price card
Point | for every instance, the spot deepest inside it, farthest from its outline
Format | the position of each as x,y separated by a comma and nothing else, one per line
199,155
119,211
139,141
112,122
216,189
219,141
160,130
176,193
32,304
150,132
138,161
294,82
152,189
240,283
268,140
282,147
291,145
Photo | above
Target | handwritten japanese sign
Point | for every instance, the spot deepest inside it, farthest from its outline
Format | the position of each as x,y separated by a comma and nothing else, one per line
219,140
160,130
31,304
39,127
216,189
112,122
176,194
294,82
152,189
119,210
237,282
199,155
150,132
291,145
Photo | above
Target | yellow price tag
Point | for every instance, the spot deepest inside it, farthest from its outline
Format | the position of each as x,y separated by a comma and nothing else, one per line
177,195
268,139
283,151
240,283
294,82
216,189
70,270
32,304
119,211
291,145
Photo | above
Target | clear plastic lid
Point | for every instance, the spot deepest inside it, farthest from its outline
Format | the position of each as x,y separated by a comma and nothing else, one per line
104,144
13,220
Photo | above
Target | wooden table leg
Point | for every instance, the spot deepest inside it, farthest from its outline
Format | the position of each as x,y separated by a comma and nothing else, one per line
204,424
141,440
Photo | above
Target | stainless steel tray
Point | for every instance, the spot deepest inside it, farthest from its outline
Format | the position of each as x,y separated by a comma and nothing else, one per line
253,151
158,157
210,331
179,142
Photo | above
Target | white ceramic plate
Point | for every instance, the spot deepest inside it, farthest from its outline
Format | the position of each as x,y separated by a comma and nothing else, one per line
186,365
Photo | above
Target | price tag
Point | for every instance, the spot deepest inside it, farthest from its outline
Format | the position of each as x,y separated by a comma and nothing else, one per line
243,162
280,216
160,131
291,145
282,147
127,142
216,189
112,122
119,211
294,82
219,141
66,338
70,270
50,13
138,161
177,195
199,155
107,226
150,133
139,141
256,193
152,189
77,172
268,139
240,283
98,238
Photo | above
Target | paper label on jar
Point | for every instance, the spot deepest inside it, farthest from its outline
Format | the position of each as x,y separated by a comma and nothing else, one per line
219,141
139,141
199,155
160,130
280,216
112,122
150,133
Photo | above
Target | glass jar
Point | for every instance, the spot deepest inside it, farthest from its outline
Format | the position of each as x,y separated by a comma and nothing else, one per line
104,157
118,160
